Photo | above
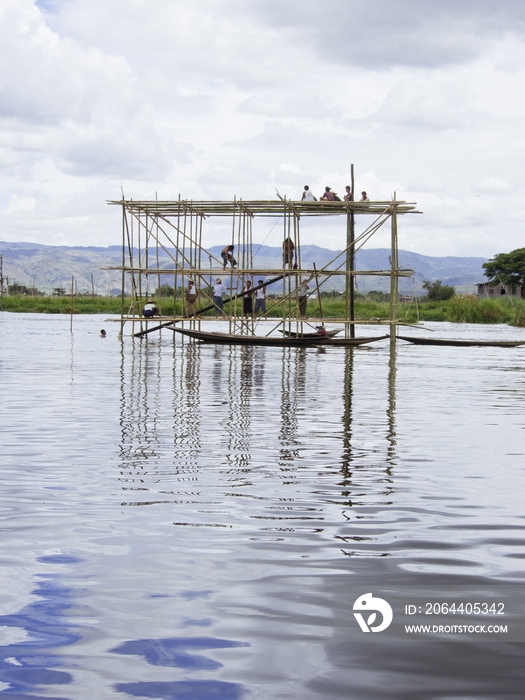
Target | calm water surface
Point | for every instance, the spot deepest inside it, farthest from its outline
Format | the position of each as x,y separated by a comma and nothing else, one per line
175,517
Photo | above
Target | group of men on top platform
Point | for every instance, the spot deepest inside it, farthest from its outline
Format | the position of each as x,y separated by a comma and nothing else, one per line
329,196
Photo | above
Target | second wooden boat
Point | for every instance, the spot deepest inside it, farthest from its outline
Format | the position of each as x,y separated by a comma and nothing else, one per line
462,343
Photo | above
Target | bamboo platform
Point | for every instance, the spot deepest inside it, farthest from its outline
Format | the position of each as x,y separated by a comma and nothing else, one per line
262,207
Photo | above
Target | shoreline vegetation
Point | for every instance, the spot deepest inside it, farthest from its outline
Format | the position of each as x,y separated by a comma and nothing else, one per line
458,309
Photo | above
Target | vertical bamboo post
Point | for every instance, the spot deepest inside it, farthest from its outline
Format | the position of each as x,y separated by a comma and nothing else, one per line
123,278
394,266
230,305
72,304
177,256
295,279
155,221
199,281
350,266
319,295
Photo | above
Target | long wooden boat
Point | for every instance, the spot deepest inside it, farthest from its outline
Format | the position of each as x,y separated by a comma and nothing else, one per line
271,340
462,343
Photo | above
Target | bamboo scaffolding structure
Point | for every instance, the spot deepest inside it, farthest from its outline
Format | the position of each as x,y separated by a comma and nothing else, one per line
176,228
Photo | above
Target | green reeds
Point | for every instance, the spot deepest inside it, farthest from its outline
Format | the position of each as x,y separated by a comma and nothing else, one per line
467,309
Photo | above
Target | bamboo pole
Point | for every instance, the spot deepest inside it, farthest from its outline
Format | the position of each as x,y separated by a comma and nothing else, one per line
72,304
319,296
123,276
394,266
351,285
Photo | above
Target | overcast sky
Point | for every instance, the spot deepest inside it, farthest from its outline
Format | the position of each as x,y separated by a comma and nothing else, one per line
217,98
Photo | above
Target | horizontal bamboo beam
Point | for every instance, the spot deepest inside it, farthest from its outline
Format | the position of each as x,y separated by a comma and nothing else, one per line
261,207
190,271
166,321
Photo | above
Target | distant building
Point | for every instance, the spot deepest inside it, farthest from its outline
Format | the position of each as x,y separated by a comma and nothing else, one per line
486,291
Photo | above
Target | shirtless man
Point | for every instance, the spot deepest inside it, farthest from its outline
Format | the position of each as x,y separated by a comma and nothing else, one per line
227,256
328,195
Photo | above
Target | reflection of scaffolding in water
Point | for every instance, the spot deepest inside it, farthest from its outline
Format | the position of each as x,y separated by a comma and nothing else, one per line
162,241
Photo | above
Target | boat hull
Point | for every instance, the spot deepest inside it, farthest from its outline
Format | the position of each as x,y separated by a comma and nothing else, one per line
273,341
462,343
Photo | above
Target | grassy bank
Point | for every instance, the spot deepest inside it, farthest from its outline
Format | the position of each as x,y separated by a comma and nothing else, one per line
473,310
457,310
62,305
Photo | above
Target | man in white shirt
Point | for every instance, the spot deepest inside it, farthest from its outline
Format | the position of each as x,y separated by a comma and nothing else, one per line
149,309
218,290
303,297
260,298
307,195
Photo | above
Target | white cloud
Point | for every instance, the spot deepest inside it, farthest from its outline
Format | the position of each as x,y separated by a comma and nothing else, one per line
226,97
19,204
493,185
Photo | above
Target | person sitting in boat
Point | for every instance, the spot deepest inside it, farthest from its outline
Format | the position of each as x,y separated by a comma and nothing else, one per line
260,298
227,256
247,301
288,251
191,299
321,330
328,195
149,309
308,195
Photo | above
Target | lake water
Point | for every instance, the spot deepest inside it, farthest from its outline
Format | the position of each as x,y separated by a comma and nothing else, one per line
186,521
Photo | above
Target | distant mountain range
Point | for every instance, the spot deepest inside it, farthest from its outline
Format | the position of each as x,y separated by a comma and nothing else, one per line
47,267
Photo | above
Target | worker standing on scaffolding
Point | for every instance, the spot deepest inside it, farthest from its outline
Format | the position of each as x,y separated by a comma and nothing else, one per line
227,256
303,297
191,298
247,301
260,299
218,290
288,251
